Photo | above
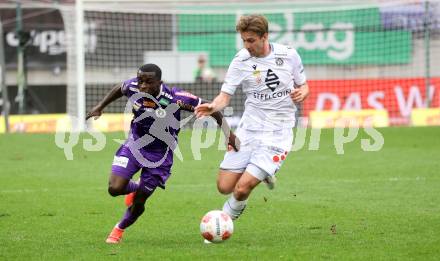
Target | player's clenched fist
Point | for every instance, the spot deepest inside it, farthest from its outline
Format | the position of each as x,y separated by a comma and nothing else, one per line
300,94
95,112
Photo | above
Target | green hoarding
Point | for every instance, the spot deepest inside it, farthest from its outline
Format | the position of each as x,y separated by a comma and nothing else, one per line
338,37
214,34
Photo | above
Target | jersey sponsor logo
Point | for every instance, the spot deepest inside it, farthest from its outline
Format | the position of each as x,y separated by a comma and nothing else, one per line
272,80
270,96
186,94
164,101
185,106
149,104
120,161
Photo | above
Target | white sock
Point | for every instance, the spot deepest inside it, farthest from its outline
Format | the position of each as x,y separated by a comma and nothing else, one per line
234,207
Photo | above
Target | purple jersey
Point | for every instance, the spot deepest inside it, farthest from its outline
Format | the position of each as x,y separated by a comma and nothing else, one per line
157,119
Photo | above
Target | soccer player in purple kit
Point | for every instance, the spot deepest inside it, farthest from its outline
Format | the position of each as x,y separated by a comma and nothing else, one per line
151,140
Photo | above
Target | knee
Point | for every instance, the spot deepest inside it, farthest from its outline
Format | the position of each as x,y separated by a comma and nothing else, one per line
224,188
241,192
115,190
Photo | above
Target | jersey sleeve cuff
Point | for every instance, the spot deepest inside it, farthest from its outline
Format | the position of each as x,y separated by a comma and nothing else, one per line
228,89
124,88
301,82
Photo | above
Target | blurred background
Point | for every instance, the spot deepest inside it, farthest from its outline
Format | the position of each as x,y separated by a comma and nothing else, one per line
375,62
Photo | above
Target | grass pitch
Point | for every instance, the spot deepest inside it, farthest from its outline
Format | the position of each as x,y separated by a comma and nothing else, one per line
382,205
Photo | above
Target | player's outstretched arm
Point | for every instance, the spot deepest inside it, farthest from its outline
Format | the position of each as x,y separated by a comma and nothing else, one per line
231,139
114,94
219,103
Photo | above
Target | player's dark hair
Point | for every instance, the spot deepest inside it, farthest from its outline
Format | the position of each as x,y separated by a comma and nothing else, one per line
149,67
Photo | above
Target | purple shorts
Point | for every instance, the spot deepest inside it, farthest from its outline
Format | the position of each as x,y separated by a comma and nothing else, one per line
155,165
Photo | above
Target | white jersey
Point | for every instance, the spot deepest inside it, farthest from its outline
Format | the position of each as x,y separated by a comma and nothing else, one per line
267,83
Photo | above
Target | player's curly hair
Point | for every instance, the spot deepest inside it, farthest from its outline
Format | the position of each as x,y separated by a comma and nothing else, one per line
253,23
150,67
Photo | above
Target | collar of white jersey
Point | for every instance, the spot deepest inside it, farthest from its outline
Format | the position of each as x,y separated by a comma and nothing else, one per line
272,50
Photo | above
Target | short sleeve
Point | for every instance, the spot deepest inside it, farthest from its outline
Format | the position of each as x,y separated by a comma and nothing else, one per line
185,100
233,78
299,75
125,87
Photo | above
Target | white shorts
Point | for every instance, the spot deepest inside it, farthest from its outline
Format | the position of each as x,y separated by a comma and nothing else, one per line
261,153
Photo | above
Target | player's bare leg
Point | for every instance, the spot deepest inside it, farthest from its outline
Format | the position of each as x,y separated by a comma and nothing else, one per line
236,204
118,185
245,185
226,181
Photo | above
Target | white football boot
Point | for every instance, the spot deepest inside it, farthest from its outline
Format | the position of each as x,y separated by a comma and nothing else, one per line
270,181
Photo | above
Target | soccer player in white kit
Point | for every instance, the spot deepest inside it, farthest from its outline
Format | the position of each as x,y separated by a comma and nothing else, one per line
273,79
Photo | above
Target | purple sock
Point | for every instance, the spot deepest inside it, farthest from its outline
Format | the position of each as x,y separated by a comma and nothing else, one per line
129,218
132,213
132,186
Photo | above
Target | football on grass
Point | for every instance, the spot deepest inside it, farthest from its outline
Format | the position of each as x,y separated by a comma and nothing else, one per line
216,226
